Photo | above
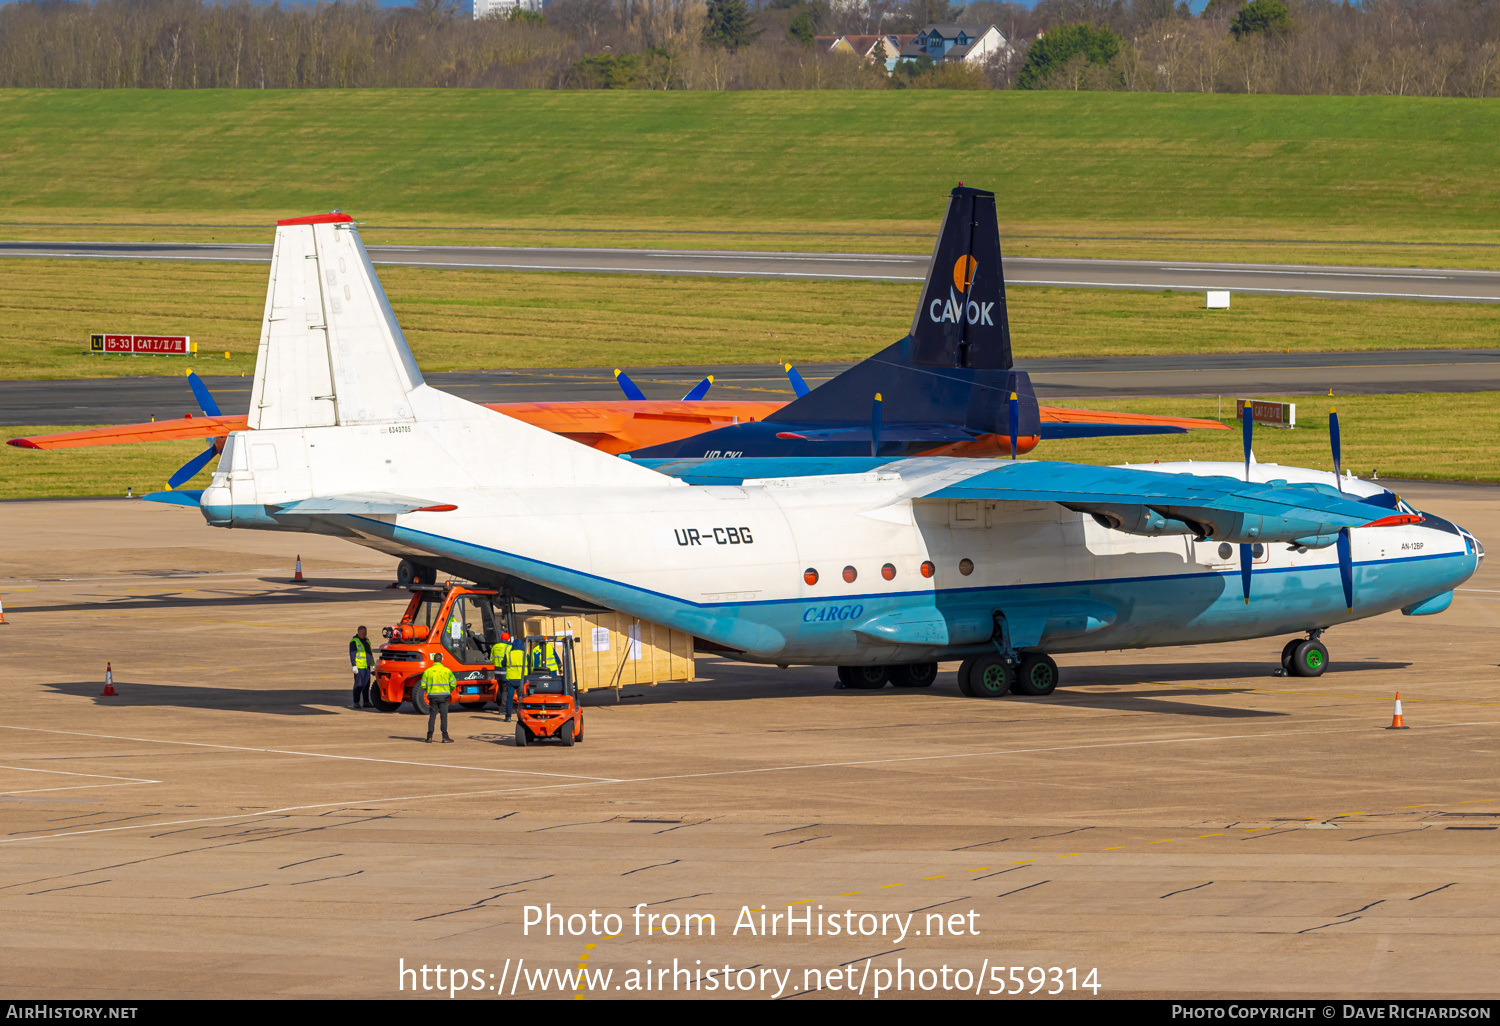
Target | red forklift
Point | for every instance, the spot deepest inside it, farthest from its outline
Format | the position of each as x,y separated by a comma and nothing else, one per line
549,693
461,622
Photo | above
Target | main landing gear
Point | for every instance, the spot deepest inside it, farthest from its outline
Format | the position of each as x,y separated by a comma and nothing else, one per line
1305,657
992,675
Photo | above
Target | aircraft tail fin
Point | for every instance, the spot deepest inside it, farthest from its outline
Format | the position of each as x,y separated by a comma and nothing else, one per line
331,352
961,321
339,407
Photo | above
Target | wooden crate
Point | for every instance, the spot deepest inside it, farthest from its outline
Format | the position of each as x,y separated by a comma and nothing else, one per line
612,650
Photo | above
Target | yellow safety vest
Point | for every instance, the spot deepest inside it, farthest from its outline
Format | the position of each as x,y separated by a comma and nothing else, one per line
437,679
544,657
515,663
361,652
498,652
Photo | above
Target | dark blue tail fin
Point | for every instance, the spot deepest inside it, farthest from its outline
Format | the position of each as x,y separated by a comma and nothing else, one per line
945,387
961,321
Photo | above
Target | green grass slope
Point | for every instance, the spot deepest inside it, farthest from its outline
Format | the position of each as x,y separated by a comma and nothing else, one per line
1384,169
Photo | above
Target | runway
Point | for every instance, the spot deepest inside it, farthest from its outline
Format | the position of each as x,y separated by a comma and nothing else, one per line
1434,284
1179,822
1244,375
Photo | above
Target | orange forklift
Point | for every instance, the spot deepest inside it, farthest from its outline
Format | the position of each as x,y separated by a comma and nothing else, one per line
549,693
463,623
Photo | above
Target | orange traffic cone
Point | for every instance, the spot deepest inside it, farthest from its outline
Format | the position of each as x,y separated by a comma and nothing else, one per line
1396,723
297,577
109,682
2,612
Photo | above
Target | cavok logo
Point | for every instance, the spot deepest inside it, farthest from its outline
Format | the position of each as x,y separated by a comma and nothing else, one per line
957,309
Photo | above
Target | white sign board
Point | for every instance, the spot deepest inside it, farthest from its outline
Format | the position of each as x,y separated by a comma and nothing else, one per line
1218,300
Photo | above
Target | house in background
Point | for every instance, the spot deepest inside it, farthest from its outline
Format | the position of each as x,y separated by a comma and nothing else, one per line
973,44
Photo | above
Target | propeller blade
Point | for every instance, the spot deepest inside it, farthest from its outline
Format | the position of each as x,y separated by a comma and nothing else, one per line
203,395
1338,455
1247,430
798,385
1346,568
189,470
699,390
1247,557
1015,425
630,388
875,426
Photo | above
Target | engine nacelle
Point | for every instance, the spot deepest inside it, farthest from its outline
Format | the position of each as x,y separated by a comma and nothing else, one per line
1138,520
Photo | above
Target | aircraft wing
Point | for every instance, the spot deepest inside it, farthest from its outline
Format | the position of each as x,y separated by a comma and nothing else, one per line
124,434
1216,507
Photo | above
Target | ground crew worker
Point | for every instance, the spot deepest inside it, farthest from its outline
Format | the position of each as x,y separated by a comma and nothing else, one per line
437,684
544,657
509,660
515,675
361,658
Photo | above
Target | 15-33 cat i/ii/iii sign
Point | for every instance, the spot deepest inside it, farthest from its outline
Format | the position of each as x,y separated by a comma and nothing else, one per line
143,345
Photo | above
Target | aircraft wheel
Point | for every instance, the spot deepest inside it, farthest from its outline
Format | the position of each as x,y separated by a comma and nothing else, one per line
419,701
1038,676
965,670
914,675
865,678
565,734
990,677
1309,659
1287,652
522,735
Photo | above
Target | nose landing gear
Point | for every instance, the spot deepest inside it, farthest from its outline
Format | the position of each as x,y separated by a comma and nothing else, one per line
1305,657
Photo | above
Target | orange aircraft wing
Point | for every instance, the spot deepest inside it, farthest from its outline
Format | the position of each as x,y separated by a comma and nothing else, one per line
156,431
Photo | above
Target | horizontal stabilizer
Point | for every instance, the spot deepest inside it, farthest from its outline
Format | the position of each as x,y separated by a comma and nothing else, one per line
362,504
937,434
175,498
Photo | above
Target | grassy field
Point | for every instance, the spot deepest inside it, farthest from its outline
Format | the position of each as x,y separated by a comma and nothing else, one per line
457,320
1438,437
1321,178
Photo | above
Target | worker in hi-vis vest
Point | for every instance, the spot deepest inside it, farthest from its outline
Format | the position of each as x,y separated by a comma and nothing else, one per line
513,663
362,659
437,685
544,657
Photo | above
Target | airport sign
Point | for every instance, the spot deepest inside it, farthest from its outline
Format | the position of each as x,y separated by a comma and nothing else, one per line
142,345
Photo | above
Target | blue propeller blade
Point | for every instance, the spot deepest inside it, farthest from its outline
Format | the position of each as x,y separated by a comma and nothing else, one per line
1247,557
699,390
1346,568
631,390
203,395
798,385
1015,425
1247,430
190,469
875,426
1338,455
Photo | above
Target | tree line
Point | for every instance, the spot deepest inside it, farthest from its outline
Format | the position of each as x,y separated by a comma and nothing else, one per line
1398,47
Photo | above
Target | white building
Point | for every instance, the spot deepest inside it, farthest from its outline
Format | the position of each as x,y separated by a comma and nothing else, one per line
502,8
971,43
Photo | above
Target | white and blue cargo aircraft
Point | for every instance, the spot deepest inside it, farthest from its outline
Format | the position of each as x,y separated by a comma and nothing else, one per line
881,566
